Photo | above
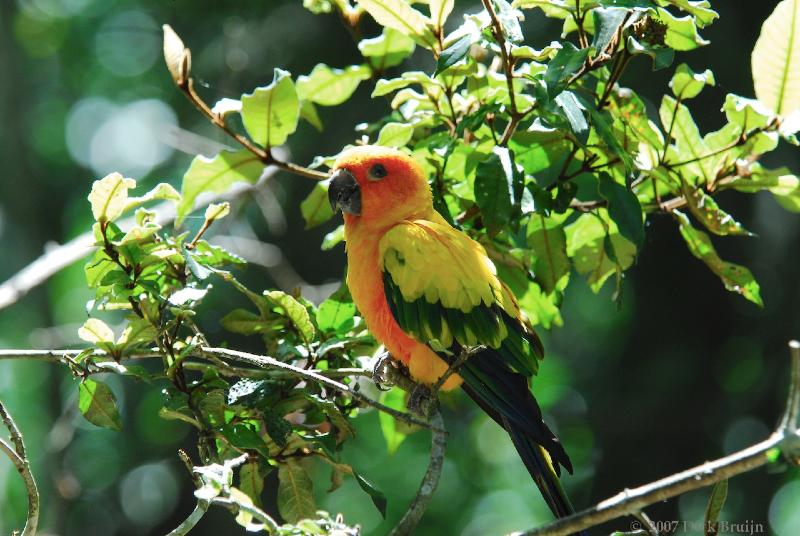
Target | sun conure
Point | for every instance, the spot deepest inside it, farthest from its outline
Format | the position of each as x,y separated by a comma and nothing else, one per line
426,290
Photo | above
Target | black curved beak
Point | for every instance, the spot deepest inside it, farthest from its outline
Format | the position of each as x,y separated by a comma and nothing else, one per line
344,192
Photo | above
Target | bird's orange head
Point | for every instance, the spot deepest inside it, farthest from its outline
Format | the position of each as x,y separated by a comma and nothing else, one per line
378,186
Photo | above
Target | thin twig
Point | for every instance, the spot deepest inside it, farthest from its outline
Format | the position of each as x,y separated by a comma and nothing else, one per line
785,440
190,522
20,460
429,482
268,362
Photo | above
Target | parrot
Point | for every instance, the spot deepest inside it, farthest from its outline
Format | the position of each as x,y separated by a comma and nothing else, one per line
427,291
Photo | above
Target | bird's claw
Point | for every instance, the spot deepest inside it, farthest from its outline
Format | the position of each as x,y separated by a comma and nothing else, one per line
422,401
382,372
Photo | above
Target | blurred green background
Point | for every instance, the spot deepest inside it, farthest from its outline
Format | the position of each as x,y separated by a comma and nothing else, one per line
682,373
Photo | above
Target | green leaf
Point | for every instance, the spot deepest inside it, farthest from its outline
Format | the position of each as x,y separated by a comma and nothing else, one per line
216,175
746,113
377,496
494,190
109,196
98,404
548,241
776,59
395,134
271,113
736,278
700,9
681,31
217,211
309,113
316,208
662,56
241,435
689,145
294,311
454,53
295,492
138,331
440,10
565,63
705,209
330,87
388,49
251,480
96,331
394,432
336,313
161,191
586,246
624,209
573,110
714,508
780,182
244,322
509,20
333,238
687,84
602,126
607,21
400,16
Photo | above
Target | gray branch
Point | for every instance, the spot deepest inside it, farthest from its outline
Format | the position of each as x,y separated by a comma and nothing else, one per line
429,482
19,458
785,440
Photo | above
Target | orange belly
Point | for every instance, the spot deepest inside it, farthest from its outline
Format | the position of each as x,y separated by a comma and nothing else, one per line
365,281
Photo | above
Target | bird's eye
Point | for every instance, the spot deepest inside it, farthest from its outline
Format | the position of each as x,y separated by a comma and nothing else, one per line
377,172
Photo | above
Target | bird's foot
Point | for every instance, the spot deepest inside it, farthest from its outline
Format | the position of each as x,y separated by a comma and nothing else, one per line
423,400
383,372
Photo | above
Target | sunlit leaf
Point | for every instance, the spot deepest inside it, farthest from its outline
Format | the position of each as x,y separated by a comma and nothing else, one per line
400,16
687,84
681,31
705,209
216,175
394,432
736,278
96,331
109,196
177,57
316,208
294,311
395,134
388,49
271,113
440,10
98,404
776,59
329,87
217,211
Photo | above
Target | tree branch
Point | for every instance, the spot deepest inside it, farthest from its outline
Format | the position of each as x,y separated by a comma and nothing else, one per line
190,522
422,499
56,258
20,460
785,440
269,362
